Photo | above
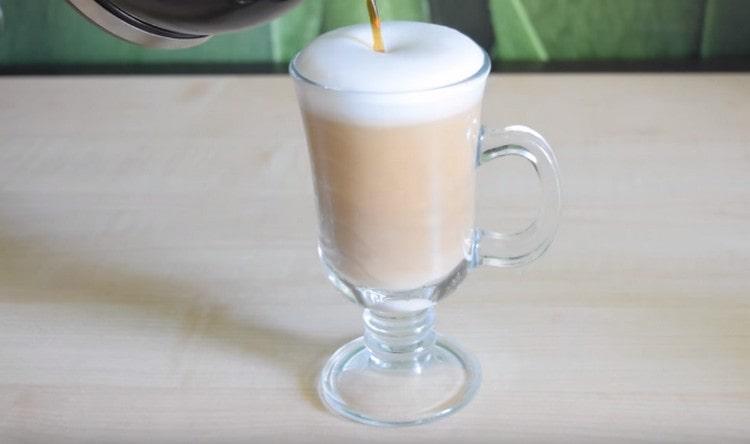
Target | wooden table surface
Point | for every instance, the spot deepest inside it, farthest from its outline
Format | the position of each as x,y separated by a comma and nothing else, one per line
159,280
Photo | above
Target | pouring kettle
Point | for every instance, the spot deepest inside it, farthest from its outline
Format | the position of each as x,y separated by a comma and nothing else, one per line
177,23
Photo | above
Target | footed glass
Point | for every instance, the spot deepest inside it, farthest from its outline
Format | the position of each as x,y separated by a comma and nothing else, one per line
395,189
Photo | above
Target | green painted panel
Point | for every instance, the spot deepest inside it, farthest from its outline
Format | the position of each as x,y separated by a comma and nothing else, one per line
294,30
49,32
596,29
516,38
725,31
340,13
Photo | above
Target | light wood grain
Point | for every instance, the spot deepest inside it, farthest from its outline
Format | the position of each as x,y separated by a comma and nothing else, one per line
159,282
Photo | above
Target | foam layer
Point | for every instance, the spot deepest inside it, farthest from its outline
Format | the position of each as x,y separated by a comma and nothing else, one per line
418,56
403,85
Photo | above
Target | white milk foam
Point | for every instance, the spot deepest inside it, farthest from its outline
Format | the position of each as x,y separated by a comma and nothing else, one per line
404,85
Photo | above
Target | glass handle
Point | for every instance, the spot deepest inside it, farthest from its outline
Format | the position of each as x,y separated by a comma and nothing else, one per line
514,249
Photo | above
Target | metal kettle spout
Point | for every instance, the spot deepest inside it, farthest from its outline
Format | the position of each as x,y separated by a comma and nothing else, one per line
175,24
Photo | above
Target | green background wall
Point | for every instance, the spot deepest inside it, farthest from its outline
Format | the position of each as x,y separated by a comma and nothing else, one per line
49,33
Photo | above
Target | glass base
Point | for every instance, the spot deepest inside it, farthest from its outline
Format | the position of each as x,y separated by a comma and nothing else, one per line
357,385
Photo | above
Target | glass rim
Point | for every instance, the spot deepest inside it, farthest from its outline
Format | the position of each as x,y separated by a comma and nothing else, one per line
482,71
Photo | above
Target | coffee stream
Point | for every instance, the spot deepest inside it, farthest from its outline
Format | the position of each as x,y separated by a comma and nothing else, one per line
377,36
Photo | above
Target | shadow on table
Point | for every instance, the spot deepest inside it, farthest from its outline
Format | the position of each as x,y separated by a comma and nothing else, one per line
36,273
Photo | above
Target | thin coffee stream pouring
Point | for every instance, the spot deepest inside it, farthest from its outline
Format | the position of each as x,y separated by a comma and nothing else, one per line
377,36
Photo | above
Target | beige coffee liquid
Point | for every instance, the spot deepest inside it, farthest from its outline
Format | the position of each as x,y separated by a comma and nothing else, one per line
396,202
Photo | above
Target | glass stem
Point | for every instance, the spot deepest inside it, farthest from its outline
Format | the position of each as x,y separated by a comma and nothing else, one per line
399,339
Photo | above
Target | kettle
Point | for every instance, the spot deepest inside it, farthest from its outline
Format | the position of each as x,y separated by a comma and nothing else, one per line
177,23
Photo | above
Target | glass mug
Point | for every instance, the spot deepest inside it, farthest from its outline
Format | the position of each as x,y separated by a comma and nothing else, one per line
394,177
